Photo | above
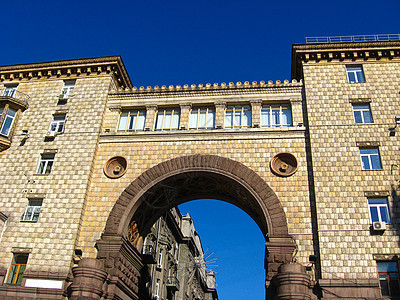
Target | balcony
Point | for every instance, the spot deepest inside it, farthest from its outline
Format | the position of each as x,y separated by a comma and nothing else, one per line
149,254
14,97
12,103
173,283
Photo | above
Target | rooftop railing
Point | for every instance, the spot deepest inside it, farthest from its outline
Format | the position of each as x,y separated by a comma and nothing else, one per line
353,38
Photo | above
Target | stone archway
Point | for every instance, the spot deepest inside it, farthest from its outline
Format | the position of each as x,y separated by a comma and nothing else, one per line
180,180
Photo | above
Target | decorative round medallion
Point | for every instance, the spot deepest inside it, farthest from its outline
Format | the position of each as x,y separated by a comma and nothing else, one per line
284,164
115,167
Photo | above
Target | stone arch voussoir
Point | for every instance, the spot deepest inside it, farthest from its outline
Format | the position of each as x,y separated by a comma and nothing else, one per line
276,215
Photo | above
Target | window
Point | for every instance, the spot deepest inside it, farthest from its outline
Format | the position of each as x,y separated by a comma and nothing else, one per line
159,262
8,122
167,119
362,113
238,117
57,125
355,74
68,89
32,210
202,118
389,278
379,210
276,115
370,159
132,120
17,268
45,164
9,90
157,291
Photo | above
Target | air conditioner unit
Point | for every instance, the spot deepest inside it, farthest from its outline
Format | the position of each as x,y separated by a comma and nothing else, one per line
51,134
379,226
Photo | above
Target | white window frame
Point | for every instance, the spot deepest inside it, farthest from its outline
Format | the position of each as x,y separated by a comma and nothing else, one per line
10,89
275,107
358,108
157,289
137,116
58,125
234,111
378,207
200,113
32,210
355,70
67,89
6,118
369,156
46,162
162,116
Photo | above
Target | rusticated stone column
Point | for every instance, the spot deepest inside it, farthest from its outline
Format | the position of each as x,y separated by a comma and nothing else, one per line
292,282
89,279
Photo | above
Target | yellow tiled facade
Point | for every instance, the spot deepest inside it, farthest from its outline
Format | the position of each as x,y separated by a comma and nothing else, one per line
325,202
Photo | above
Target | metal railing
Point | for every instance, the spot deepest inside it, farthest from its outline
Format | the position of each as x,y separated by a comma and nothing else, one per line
353,38
6,92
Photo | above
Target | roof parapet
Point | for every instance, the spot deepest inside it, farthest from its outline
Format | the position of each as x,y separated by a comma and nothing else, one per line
209,86
353,38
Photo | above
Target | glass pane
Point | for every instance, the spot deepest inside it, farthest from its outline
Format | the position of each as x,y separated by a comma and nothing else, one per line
41,166
202,120
374,214
7,126
377,201
369,151
140,122
228,119
59,118
360,76
387,266
247,118
11,112
365,163
376,162
210,119
367,117
122,122
48,167
384,287
352,77
132,122
286,116
159,122
237,121
20,274
265,117
275,116
167,121
28,213
175,121
36,213
60,126
193,120
13,273
358,117
384,214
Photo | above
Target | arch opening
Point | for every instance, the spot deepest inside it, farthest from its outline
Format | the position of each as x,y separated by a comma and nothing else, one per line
183,179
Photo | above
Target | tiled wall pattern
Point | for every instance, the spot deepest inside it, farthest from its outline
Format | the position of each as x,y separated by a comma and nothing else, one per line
346,243
50,240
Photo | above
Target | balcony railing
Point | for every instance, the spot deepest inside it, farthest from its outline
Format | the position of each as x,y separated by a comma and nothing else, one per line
15,95
173,283
149,254
353,38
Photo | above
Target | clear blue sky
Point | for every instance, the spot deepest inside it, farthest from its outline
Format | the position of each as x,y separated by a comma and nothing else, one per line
186,42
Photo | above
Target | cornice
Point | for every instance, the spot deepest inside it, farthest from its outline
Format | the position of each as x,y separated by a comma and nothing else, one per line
338,52
112,65
216,89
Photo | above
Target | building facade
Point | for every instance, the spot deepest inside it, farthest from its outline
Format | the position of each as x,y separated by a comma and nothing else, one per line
90,163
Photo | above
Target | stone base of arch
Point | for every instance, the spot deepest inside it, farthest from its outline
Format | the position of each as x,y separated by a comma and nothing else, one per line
115,273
